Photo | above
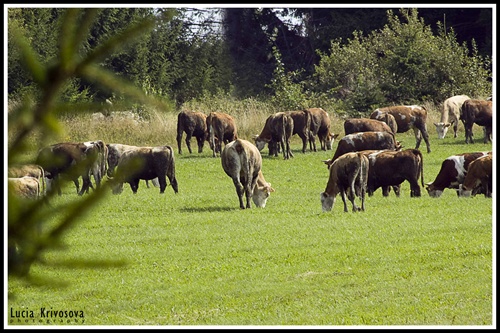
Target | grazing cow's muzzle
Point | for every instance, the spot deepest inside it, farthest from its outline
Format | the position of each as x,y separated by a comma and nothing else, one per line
327,202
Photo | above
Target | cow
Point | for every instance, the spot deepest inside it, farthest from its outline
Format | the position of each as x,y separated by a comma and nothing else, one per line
450,115
349,177
115,151
452,173
364,141
146,163
193,123
277,130
479,178
98,169
391,168
30,170
301,125
475,111
408,117
221,127
69,160
354,125
25,187
242,161
320,126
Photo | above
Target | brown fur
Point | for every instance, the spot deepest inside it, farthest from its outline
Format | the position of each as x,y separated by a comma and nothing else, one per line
221,127
475,111
193,123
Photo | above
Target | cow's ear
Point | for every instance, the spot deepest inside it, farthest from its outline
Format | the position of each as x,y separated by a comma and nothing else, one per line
436,124
269,188
327,162
447,125
336,136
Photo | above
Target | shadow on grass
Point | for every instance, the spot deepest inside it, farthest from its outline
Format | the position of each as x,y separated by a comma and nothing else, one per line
208,209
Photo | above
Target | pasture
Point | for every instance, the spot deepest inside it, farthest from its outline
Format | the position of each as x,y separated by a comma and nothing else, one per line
196,258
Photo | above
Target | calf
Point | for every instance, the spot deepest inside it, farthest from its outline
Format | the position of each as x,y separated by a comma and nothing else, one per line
146,163
348,176
221,127
301,125
277,130
450,115
452,173
475,111
391,168
364,141
354,125
25,187
320,126
408,117
242,161
193,124
478,178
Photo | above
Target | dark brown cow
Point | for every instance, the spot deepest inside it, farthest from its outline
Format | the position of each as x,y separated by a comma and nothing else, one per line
301,125
475,111
320,126
479,178
193,123
71,160
146,163
348,176
391,168
243,163
408,117
277,130
364,141
354,125
452,173
221,127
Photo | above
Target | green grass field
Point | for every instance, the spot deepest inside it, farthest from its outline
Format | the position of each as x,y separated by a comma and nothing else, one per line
195,258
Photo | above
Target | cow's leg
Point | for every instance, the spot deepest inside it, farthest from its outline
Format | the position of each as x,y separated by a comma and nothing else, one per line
424,133
201,142
344,199
418,137
188,142
304,142
163,183
239,191
386,190
134,185
86,184
289,150
414,188
455,129
179,141
397,190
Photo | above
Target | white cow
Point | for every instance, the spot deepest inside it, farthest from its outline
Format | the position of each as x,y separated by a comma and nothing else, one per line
450,115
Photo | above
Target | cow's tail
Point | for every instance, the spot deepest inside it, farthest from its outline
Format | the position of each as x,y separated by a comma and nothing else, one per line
43,188
421,165
211,134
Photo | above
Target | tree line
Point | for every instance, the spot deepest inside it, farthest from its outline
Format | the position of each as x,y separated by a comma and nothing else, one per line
357,58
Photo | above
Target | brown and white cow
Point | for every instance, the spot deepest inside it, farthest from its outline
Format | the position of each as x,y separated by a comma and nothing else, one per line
450,115
354,125
69,160
408,117
479,178
146,163
349,177
29,170
221,127
476,111
242,161
24,187
301,125
277,130
364,141
115,151
391,168
193,123
320,126
452,173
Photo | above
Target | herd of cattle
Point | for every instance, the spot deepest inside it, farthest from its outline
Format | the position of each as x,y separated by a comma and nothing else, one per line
368,157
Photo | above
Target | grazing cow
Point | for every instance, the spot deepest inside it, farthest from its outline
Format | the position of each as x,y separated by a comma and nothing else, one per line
301,125
320,126
115,151
452,173
479,178
408,117
354,125
242,161
25,187
146,163
69,160
391,168
30,170
364,141
348,176
450,115
221,127
277,130
475,111
193,124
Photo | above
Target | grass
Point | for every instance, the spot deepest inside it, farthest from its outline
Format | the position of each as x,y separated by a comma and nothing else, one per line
195,258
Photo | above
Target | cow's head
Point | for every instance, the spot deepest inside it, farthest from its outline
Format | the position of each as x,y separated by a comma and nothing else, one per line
463,192
433,191
330,140
442,129
261,194
260,143
327,201
117,188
